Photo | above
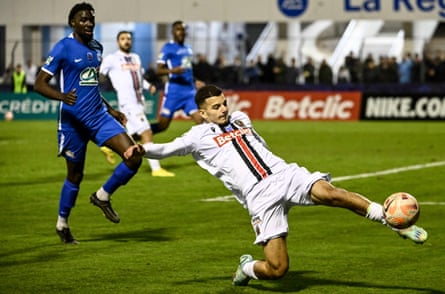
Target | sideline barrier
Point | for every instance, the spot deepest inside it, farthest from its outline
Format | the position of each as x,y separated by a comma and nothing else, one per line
33,106
329,105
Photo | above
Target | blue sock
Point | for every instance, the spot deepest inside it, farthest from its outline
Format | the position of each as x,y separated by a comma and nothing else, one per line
68,197
121,175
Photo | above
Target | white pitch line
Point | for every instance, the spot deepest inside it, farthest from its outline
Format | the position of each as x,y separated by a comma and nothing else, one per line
431,203
389,171
359,176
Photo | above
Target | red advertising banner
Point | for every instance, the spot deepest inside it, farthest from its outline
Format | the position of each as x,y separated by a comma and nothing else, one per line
296,105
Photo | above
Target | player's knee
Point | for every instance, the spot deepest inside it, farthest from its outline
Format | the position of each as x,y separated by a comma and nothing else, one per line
75,178
278,271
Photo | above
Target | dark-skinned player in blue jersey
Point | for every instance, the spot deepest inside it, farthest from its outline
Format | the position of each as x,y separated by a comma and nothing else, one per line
83,116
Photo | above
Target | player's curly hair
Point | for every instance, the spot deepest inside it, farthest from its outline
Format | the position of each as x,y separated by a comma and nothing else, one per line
79,7
205,92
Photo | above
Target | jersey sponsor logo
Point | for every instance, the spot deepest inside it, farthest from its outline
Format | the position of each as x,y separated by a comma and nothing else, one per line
77,60
131,66
224,138
49,60
88,77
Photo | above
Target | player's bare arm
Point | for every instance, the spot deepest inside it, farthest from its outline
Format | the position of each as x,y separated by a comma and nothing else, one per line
42,86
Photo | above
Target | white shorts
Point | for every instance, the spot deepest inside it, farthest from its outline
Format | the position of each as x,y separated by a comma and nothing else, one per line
270,200
137,122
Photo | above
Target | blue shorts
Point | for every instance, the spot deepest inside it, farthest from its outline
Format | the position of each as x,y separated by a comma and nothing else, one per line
74,136
178,97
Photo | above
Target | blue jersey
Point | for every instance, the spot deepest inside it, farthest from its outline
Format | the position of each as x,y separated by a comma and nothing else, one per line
88,119
78,66
173,55
180,89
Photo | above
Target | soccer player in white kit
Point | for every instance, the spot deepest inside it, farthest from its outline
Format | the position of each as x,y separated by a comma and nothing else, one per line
124,69
228,147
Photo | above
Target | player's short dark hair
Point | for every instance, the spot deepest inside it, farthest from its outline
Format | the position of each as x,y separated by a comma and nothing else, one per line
205,92
79,7
177,23
123,32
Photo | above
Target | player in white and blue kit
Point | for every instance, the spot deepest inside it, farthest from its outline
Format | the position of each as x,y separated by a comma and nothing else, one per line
175,60
83,116
228,147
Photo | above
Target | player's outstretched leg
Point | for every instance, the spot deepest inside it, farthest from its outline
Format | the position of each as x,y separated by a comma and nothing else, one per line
239,277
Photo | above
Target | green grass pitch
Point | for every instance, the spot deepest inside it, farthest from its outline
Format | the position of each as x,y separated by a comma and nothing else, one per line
170,241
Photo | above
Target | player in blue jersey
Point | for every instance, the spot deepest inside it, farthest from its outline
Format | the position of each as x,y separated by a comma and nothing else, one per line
83,116
175,60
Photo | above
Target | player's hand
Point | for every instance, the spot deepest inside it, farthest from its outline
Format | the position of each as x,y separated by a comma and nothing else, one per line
135,150
70,97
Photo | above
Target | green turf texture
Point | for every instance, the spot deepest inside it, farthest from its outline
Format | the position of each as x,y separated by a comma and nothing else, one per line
170,241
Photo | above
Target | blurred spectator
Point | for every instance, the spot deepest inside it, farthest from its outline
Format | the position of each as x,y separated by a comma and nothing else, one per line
233,73
388,72
19,80
405,69
292,72
261,66
370,73
7,76
280,70
31,73
417,70
252,72
309,71
353,64
343,76
268,72
325,74
202,69
430,68
440,77
218,68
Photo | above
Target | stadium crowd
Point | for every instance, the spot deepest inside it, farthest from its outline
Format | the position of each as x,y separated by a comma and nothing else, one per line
274,71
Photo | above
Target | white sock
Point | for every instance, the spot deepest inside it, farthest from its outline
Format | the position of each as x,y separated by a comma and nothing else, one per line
248,269
154,164
102,194
375,212
61,223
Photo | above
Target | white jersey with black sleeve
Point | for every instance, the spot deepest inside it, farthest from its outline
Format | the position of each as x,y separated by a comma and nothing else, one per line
233,153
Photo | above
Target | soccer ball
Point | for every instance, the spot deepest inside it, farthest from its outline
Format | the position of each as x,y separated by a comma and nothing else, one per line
9,115
401,210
